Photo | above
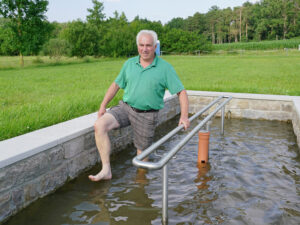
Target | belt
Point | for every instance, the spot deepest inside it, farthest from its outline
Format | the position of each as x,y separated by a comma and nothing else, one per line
141,110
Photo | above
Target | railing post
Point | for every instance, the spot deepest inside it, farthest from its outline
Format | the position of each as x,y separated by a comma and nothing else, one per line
165,194
208,125
222,123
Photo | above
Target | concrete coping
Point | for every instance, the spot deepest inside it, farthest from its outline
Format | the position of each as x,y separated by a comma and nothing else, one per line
294,99
297,105
24,146
246,96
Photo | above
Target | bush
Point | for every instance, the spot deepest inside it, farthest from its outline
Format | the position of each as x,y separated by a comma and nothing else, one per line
56,48
37,60
83,38
180,41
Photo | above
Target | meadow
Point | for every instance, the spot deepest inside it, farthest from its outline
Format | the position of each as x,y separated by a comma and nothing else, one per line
259,45
46,92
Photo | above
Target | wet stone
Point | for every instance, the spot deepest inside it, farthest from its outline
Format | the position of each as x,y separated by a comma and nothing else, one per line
51,181
18,198
93,157
5,209
30,192
78,164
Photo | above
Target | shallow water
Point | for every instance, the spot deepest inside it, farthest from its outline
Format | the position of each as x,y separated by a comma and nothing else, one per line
253,177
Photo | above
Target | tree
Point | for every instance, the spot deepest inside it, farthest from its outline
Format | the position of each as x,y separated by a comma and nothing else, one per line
118,45
247,7
295,22
6,37
96,15
212,18
177,23
82,37
28,24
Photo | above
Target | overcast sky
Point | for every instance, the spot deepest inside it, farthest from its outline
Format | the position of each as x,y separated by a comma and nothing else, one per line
154,10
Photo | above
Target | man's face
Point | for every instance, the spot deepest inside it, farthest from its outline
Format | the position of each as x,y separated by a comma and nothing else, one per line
145,47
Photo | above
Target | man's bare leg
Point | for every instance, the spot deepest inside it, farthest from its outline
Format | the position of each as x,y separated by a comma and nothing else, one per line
103,125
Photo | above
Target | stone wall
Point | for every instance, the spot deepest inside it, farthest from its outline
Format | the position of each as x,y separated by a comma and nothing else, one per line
36,175
248,108
252,106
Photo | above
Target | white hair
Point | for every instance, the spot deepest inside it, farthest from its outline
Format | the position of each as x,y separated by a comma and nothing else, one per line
147,32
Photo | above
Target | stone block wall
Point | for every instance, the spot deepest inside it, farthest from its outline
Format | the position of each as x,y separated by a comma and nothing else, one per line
252,106
26,180
247,108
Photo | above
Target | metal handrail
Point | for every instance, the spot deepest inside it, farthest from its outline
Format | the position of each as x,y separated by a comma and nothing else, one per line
163,162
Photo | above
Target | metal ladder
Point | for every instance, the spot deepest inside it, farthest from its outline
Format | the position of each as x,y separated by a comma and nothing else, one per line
163,162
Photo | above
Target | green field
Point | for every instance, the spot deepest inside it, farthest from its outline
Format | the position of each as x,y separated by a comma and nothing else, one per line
261,45
45,93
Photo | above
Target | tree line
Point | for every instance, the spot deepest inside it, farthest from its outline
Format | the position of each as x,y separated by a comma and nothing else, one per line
24,29
264,20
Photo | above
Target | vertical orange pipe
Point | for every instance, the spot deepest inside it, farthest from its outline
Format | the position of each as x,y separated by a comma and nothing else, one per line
203,146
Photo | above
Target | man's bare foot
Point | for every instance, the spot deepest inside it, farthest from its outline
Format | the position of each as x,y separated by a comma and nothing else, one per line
102,175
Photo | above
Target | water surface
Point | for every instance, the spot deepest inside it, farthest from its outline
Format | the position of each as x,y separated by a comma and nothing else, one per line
253,177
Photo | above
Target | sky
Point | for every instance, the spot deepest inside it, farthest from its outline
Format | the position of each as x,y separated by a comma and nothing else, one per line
154,10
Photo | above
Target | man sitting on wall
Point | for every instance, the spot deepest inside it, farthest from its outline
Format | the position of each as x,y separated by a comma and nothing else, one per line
144,79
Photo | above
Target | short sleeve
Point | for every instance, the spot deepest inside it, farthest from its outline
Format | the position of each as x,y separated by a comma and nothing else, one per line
173,82
121,78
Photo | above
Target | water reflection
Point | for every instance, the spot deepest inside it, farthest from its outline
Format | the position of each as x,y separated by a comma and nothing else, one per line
135,206
202,178
141,176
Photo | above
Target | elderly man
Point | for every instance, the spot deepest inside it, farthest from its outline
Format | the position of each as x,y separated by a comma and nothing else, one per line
144,79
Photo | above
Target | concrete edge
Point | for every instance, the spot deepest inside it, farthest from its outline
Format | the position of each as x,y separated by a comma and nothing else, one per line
296,123
244,95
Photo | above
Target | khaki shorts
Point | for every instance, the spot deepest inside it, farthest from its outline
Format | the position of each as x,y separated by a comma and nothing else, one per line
142,123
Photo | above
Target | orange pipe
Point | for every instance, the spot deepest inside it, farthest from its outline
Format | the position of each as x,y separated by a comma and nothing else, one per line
203,146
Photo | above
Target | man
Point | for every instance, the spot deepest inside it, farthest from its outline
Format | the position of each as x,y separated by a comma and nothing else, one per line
144,79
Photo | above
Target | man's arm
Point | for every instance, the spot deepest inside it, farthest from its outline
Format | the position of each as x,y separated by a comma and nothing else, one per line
110,93
184,107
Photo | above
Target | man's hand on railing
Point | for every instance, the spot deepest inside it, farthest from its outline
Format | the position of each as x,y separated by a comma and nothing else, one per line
185,122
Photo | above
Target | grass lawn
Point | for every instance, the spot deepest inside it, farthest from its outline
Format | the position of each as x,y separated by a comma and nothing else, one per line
46,93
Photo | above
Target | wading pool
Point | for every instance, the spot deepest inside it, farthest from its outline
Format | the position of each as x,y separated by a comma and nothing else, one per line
253,177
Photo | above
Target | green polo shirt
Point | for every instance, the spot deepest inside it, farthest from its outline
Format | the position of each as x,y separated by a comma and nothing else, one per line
144,88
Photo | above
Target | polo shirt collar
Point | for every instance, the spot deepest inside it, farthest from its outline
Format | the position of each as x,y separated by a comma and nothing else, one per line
154,62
